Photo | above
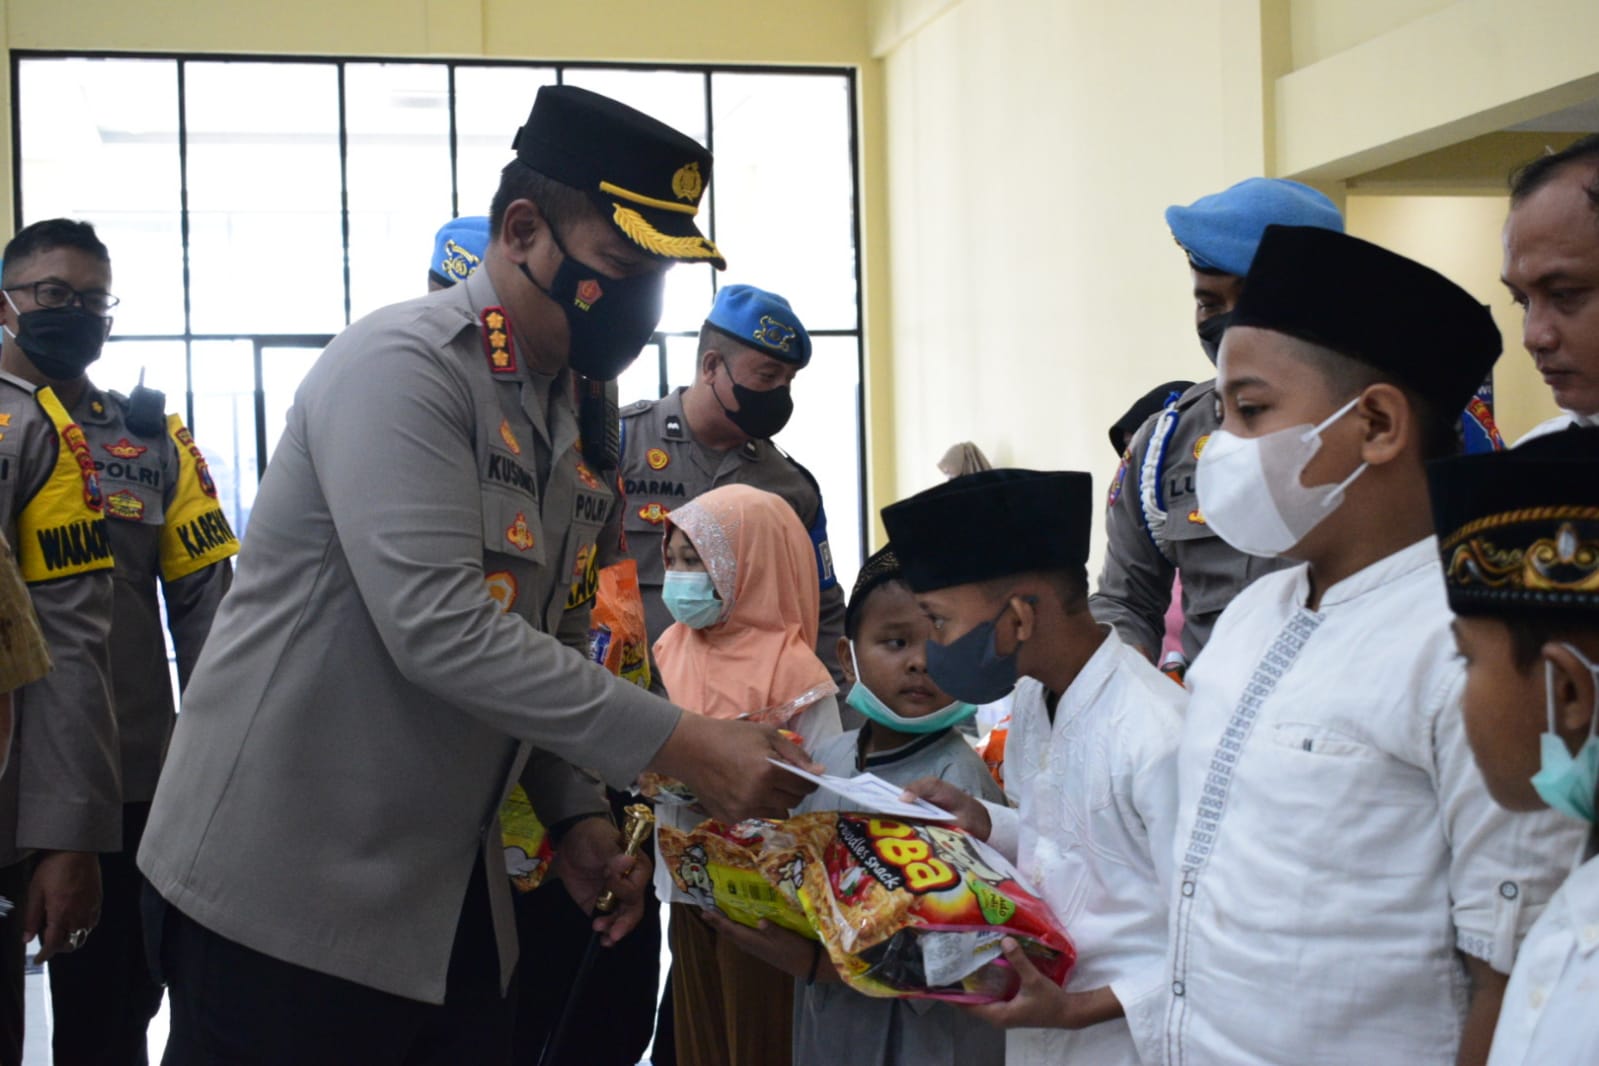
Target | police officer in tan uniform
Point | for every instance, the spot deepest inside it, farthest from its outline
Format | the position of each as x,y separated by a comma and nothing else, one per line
324,840
718,431
170,541
1152,522
61,795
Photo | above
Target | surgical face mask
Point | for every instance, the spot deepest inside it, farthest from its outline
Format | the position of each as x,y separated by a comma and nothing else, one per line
761,413
60,341
971,668
1250,492
609,320
1564,781
691,597
1210,332
865,700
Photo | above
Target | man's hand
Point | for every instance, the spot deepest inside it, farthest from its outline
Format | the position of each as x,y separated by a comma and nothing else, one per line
1040,1003
969,812
776,946
589,861
725,763
63,900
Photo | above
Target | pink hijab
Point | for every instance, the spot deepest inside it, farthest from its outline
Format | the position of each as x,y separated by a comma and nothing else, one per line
762,655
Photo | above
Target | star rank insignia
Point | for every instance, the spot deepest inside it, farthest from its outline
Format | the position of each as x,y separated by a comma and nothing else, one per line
498,344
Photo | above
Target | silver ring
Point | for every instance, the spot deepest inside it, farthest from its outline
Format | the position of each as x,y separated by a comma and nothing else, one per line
76,938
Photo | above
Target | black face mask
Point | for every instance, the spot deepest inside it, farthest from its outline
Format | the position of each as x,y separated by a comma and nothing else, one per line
1210,332
609,320
61,341
761,413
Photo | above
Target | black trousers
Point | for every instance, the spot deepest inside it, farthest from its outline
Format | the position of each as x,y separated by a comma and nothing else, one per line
102,995
232,1006
13,986
614,1012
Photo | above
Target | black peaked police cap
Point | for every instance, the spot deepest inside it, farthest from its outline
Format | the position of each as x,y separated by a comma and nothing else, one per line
992,524
1518,531
1372,305
644,176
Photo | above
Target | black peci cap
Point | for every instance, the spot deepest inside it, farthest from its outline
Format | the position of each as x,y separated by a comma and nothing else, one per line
1372,305
1519,530
644,176
990,525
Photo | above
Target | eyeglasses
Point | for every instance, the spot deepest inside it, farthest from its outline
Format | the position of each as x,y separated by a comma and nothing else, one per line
52,294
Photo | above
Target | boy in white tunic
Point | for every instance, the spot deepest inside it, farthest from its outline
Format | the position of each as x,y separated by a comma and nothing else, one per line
1347,892
1519,537
997,562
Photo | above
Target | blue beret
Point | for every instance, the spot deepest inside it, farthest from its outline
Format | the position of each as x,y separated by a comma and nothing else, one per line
458,249
1222,231
761,320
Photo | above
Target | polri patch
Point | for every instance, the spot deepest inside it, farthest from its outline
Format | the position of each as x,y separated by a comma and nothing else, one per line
124,449
498,345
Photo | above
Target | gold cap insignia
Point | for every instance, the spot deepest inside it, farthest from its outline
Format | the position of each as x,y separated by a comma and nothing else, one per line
687,183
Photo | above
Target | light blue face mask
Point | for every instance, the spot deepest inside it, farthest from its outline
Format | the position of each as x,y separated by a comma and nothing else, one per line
691,597
1564,781
865,700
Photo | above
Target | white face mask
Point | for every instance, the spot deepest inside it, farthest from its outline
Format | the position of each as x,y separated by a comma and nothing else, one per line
1249,488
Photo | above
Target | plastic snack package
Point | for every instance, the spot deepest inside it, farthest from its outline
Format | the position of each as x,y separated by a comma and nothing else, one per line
618,639
716,866
527,844
913,909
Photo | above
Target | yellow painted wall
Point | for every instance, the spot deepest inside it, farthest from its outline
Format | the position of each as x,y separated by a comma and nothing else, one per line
1323,28
1459,237
1033,145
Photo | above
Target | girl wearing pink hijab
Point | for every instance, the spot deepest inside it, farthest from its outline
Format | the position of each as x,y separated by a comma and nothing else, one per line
741,583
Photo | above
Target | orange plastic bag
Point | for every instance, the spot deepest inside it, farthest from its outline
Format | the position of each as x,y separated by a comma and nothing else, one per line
618,639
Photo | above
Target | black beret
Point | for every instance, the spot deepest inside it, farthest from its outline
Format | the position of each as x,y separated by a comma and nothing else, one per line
644,176
1372,305
1519,530
990,525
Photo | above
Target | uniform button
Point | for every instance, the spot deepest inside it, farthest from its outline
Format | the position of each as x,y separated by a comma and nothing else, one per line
1508,889
1188,888
1176,988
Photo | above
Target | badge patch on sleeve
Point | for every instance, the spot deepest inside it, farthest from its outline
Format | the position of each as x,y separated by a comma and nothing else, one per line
196,534
1116,482
62,531
502,588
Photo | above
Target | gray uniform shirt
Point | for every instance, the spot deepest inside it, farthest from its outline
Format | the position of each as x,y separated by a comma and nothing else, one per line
161,512
62,790
835,1024
663,467
1155,531
386,658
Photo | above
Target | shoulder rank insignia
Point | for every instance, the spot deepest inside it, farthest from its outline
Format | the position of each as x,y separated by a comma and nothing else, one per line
510,438
124,449
498,345
657,458
751,450
674,427
520,536
124,504
653,513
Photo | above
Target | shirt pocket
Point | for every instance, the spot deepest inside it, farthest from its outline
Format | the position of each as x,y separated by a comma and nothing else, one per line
512,528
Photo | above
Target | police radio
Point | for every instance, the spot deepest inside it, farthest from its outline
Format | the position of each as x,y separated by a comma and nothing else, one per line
147,410
599,423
